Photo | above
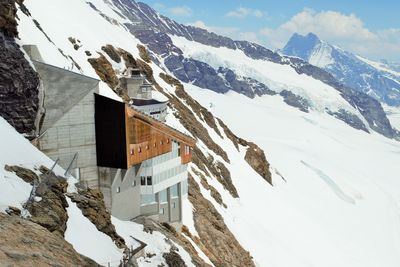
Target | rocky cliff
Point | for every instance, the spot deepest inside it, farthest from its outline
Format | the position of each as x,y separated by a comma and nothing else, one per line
19,83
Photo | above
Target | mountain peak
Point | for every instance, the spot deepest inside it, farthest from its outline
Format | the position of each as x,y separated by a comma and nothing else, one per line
301,45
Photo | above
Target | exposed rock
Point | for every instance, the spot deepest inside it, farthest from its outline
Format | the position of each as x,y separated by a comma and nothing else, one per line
349,118
295,101
88,53
8,23
19,87
173,259
170,232
129,60
13,211
214,193
91,203
104,70
223,248
23,243
255,157
25,174
190,122
143,53
75,43
112,53
51,211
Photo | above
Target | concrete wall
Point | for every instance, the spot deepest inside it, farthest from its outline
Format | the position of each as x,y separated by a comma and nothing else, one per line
63,90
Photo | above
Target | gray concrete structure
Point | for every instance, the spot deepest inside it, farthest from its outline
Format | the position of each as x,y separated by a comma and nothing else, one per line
154,188
67,129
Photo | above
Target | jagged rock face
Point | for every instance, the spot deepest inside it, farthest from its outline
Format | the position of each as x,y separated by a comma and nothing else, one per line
25,174
152,29
19,83
295,101
255,157
24,243
345,67
173,259
91,203
50,212
170,232
223,248
8,23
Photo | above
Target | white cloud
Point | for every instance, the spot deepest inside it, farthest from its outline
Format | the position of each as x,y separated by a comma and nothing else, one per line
243,12
182,11
347,31
158,6
233,32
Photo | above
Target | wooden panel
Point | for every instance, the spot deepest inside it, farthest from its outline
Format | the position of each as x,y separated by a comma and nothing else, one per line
186,153
157,145
147,138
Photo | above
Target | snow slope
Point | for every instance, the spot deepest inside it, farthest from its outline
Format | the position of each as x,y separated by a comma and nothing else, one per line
276,76
340,203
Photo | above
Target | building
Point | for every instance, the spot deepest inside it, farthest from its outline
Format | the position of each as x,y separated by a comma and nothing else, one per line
125,150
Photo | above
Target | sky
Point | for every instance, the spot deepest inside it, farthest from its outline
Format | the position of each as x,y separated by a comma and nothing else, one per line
368,28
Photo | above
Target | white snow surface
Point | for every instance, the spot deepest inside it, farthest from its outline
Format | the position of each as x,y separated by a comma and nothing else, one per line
340,203
321,56
155,243
87,240
379,66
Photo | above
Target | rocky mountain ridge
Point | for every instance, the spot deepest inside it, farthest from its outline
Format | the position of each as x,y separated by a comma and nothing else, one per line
154,29
346,67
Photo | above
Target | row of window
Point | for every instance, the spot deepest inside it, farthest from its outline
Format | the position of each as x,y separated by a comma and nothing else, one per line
139,150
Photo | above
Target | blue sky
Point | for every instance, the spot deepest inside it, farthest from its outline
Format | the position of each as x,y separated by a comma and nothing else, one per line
369,28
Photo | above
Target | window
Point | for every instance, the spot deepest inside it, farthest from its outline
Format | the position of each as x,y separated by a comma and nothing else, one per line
140,149
142,180
118,189
179,151
132,151
147,147
173,205
162,211
134,183
161,142
149,181
168,141
155,144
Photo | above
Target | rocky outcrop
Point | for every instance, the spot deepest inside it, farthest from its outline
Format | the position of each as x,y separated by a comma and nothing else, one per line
25,174
223,248
111,52
173,259
143,53
172,234
104,70
295,101
19,83
255,157
349,118
50,210
8,23
107,74
91,203
24,243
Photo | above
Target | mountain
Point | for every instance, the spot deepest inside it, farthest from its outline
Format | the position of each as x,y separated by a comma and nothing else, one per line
376,79
290,168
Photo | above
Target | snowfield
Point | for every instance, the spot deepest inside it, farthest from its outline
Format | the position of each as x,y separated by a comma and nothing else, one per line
339,205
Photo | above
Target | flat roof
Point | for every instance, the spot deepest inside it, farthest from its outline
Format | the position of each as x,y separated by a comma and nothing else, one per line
145,102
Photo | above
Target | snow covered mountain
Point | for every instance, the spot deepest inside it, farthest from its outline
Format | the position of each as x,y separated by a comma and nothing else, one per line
335,197
377,79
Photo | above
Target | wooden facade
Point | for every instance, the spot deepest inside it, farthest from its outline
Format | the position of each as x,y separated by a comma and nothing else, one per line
148,138
126,137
